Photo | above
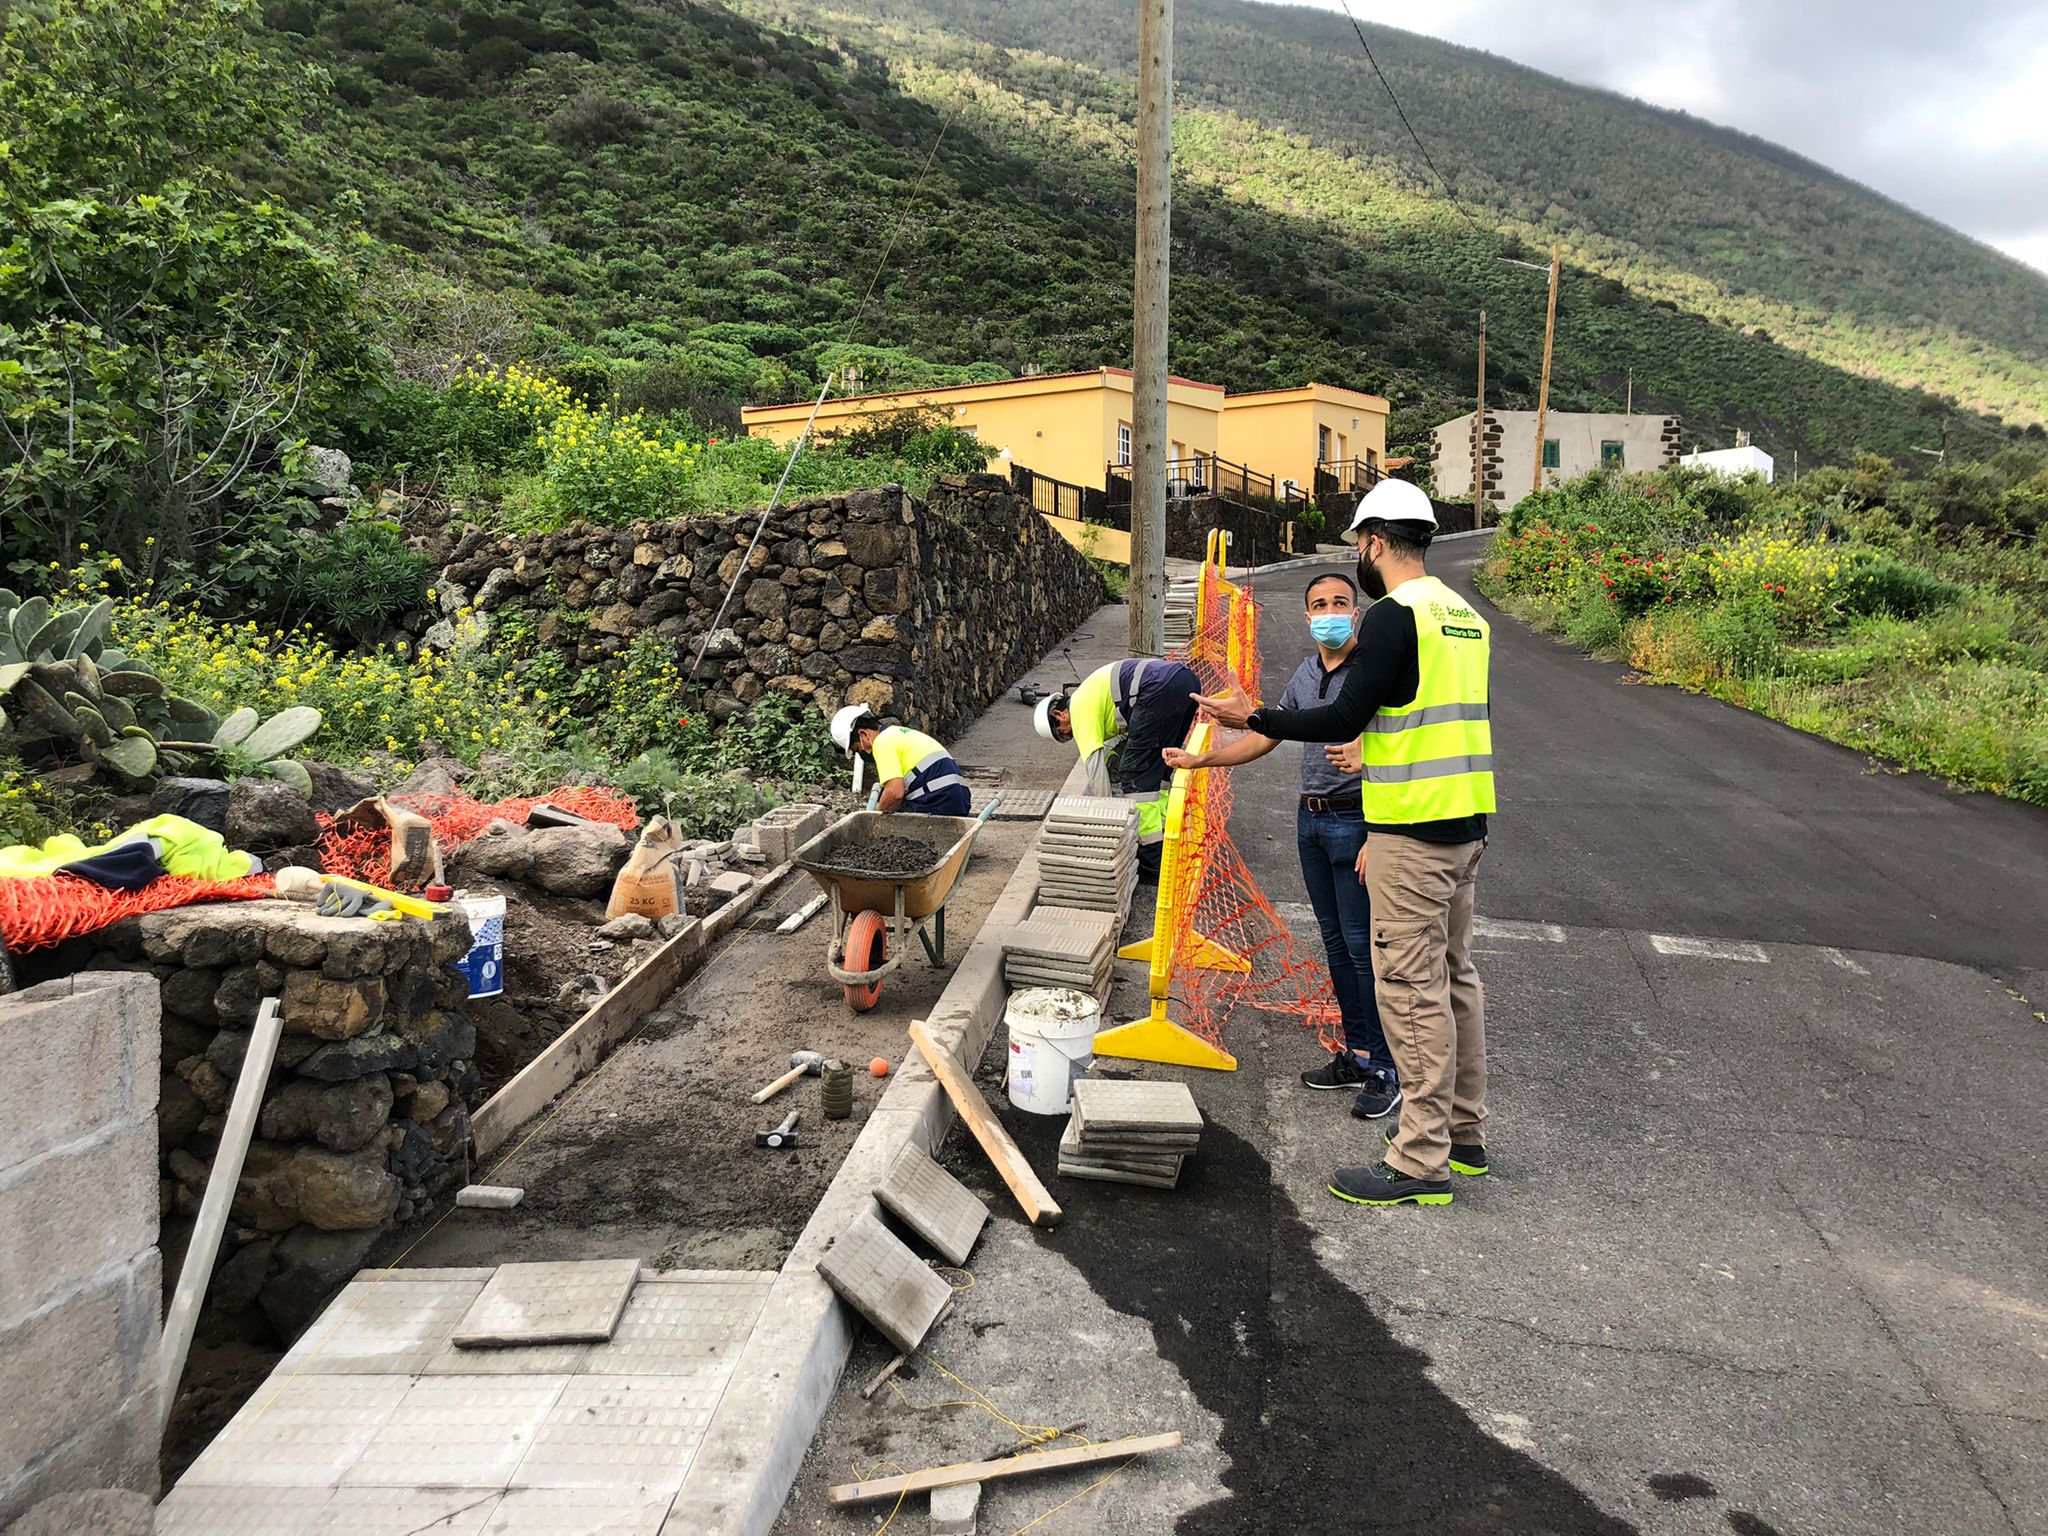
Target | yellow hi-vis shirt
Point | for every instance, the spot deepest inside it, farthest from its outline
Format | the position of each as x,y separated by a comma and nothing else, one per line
1431,759
1095,719
919,760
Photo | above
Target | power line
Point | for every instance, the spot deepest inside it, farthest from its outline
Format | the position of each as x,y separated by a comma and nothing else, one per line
1441,180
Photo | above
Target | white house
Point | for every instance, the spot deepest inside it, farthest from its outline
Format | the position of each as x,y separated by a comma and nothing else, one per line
1574,443
1746,460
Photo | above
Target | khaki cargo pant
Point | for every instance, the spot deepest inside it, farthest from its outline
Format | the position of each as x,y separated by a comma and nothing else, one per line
1431,1001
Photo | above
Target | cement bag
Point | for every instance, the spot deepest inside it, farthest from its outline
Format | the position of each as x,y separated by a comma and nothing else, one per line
651,883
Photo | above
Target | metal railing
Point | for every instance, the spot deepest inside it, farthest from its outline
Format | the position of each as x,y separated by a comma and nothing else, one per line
1340,484
1063,498
1208,475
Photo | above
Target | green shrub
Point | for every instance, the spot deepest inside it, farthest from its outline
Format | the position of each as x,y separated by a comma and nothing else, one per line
1878,582
356,580
1595,621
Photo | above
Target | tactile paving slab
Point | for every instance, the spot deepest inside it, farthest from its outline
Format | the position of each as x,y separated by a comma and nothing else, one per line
884,1281
549,1304
675,1326
388,1323
194,1509
463,1431
1130,1105
299,1431
1016,804
932,1203
620,1432
580,1512
405,1512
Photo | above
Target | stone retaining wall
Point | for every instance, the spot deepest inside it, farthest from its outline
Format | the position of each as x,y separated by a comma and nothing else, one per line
1257,537
366,1116
925,612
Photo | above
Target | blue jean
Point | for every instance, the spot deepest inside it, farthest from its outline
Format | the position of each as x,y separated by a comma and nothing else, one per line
1329,845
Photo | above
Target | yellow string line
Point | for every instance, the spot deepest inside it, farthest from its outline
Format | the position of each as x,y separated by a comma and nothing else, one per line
861,1477
389,1269
1065,1502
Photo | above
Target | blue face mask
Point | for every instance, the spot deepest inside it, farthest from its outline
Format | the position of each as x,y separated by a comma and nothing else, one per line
1331,629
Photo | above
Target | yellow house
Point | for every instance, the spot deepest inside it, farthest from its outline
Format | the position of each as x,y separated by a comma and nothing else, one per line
1070,426
1286,433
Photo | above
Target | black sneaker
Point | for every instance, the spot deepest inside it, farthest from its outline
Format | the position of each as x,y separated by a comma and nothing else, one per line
1381,1095
1340,1071
1468,1160
1384,1184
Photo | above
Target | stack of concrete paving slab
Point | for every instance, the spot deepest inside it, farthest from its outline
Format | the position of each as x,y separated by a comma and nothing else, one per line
1180,614
1088,853
1130,1132
1062,947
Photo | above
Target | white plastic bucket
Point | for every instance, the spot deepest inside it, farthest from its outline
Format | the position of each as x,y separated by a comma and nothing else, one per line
1052,1042
484,965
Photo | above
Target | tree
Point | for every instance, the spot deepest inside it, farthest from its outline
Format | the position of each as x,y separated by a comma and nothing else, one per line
165,336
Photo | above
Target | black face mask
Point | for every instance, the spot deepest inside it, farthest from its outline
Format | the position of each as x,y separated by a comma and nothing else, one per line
1369,581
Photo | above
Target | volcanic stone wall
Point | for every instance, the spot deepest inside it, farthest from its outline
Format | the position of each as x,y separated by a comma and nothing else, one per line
365,1118
925,612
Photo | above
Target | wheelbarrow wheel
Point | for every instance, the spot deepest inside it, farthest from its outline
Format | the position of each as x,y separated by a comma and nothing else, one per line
867,946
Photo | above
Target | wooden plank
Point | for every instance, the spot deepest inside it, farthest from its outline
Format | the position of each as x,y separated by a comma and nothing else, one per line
579,1048
989,1471
1039,1206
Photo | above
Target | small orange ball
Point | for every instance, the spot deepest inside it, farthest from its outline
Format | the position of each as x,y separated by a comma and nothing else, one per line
879,1067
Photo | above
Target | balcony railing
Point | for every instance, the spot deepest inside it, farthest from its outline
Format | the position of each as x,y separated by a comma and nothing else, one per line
1062,498
1208,475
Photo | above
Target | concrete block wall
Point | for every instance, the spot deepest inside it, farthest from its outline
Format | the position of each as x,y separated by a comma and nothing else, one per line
81,1277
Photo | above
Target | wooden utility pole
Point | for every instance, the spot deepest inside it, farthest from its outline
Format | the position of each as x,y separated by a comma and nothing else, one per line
1543,389
1479,436
1147,595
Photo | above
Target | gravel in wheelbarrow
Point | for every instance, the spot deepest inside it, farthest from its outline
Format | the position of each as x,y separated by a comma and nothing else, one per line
885,858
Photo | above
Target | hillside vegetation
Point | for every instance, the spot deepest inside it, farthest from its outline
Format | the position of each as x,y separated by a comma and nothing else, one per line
1721,223
706,194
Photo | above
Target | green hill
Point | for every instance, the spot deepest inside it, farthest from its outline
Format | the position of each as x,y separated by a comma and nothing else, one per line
708,190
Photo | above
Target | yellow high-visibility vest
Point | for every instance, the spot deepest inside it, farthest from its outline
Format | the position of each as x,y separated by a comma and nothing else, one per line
1432,759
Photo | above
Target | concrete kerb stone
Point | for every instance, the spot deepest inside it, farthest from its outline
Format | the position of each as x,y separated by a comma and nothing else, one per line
789,1368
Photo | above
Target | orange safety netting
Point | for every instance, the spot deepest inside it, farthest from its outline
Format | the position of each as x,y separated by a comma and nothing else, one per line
1218,907
48,909
365,853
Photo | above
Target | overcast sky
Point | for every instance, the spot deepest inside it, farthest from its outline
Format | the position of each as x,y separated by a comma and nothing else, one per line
1942,106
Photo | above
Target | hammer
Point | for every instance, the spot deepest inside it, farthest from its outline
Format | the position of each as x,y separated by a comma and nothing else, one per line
784,1135
801,1064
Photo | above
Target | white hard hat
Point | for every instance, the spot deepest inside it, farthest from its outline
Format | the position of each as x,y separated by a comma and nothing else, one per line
843,724
1041,717
1394,501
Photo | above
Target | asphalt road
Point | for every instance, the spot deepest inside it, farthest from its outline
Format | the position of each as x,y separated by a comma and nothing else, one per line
1764,1251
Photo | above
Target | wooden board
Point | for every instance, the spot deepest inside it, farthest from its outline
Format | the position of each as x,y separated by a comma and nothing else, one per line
1039,1206
989,1471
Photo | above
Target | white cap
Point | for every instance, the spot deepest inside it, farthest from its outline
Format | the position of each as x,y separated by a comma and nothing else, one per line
844,722
1394,501
1041,717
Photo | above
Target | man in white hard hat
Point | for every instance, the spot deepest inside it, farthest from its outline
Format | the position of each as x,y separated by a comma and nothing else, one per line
916,773
1417,693
1146,703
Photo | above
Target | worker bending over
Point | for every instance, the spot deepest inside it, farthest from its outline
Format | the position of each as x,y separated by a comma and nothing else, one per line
916,773
1147,703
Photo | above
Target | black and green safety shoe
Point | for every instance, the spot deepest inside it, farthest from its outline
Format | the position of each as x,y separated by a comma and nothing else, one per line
1384,1184
1468,1160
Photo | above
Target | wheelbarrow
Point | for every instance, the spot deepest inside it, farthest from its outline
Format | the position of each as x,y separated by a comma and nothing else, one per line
874,915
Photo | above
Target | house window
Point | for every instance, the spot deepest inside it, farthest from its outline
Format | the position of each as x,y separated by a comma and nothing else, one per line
1552,458
1611,456
1123,442
1180,452
1322,445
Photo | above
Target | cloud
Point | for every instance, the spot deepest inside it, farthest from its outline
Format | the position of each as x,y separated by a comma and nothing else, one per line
1946,118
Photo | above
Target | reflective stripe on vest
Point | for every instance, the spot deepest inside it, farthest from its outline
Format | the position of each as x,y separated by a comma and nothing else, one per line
936,772
1432,758
1130,682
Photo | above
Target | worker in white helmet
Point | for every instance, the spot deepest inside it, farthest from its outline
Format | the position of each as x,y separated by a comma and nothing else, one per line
1144,704
1417,701
916,773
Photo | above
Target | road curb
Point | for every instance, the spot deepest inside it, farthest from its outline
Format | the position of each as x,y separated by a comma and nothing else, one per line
788,1370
